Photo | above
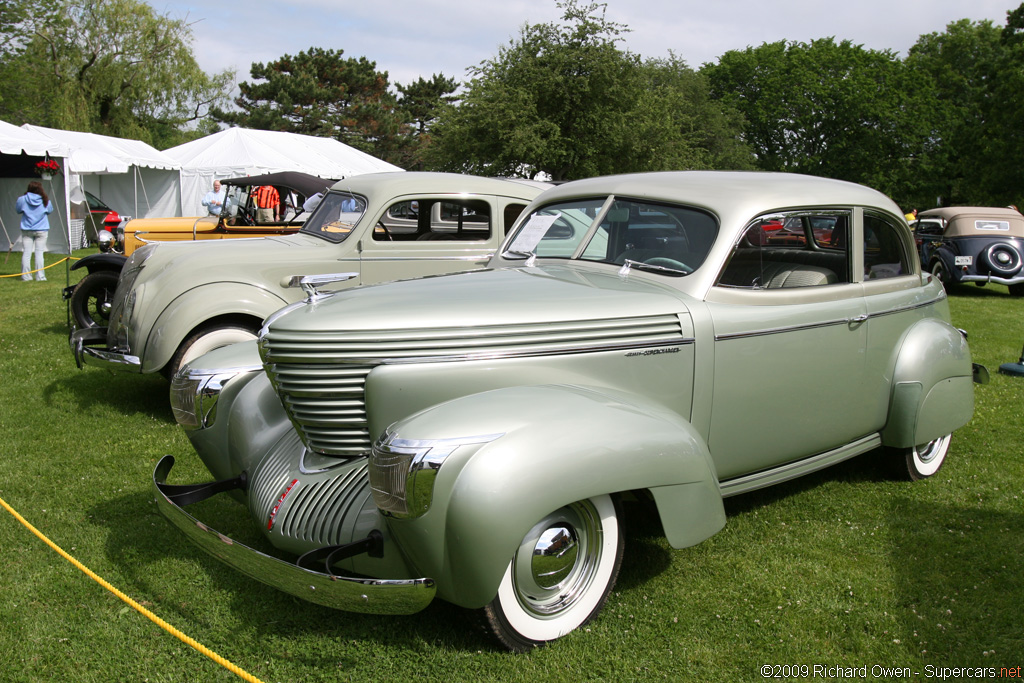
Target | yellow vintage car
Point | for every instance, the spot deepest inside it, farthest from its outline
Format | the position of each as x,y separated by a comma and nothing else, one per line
90,299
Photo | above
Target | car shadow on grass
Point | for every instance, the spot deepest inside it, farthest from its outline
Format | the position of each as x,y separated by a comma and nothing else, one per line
121,394
197,593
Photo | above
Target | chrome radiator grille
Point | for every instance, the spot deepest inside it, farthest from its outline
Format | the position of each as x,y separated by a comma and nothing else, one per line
321,375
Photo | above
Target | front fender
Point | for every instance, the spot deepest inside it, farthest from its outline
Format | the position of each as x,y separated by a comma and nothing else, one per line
558,444
192,308
97,262
933,385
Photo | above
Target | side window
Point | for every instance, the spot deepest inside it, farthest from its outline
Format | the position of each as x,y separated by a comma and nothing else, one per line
434,219
885,251
791,249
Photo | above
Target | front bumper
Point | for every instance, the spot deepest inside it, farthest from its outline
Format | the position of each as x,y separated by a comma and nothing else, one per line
89,348
364,595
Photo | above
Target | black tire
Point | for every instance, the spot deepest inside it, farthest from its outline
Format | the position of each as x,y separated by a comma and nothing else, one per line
544,596
919,462
941,273
1017,289
92,299
205,340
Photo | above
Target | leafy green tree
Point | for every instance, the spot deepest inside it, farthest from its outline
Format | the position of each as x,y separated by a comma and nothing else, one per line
318,93
829,109
958,63
564,101
107,66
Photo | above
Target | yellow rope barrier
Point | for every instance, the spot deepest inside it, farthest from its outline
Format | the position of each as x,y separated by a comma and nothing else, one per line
131,603
66,258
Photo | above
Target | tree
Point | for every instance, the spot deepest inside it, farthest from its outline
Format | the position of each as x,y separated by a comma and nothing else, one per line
826,108
318,93
106,66
963,67
564,101
419,105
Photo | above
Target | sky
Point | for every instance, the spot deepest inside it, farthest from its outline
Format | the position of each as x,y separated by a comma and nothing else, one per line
414,38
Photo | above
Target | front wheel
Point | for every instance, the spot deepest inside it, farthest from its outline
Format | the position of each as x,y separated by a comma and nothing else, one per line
560,576
1017,289
93,297
922,461
205,340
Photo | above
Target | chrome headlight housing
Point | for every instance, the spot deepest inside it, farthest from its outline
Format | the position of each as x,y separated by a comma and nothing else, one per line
195,393
106,240
403,471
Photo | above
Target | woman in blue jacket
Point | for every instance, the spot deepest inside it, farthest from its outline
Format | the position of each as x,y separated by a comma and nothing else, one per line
34,206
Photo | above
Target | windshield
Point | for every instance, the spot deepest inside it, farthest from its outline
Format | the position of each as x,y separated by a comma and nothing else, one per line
335,216
670,239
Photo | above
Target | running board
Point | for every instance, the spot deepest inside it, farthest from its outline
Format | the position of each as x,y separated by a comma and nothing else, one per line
792,470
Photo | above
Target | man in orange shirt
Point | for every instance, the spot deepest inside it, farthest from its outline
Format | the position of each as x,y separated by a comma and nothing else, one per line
267,201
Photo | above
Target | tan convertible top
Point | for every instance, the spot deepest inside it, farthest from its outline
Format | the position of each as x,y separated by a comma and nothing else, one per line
977,221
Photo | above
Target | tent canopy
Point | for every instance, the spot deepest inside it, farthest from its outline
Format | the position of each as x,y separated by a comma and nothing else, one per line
236,152
132,177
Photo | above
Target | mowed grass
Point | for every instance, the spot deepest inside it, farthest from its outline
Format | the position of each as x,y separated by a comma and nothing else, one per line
844,568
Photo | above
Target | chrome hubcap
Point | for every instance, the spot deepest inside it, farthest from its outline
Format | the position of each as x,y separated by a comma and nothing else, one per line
557,559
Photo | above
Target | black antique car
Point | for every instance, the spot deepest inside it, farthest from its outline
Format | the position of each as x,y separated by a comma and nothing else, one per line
973,244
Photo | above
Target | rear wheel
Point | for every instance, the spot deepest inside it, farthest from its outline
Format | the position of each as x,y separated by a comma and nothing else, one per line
205,340
92,299
941,273
560,576
922,461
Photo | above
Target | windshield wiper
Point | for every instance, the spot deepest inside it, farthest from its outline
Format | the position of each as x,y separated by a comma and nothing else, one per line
629,264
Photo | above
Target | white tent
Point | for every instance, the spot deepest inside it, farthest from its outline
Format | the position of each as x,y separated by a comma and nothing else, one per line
237,152
130,176
20,149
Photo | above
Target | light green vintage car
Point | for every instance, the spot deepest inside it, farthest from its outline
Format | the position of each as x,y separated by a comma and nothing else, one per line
469,437
177,300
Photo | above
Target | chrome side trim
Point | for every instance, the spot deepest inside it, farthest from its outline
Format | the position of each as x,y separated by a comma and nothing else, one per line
856,320
790,328
498,355
799,468
363,595
480,257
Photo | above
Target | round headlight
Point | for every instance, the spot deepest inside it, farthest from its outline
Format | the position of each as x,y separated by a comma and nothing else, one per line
105,238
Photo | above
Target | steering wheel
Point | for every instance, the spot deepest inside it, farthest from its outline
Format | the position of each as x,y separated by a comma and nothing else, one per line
669,263
380,224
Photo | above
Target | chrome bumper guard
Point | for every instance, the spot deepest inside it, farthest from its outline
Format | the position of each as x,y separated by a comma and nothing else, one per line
85,345
364,595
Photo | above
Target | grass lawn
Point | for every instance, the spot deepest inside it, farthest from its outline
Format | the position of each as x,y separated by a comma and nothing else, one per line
844,568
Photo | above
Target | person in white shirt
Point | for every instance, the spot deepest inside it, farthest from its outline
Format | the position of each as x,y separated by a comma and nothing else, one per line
214,200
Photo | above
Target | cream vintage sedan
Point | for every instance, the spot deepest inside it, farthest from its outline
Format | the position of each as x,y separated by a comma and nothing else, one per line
469,437
177,300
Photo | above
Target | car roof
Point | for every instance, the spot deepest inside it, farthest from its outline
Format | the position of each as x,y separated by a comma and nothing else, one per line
397,183
969,221
293,180
948,212
732,195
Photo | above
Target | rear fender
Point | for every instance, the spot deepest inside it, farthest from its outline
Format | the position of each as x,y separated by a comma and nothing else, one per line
549,446
196,307
933,387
